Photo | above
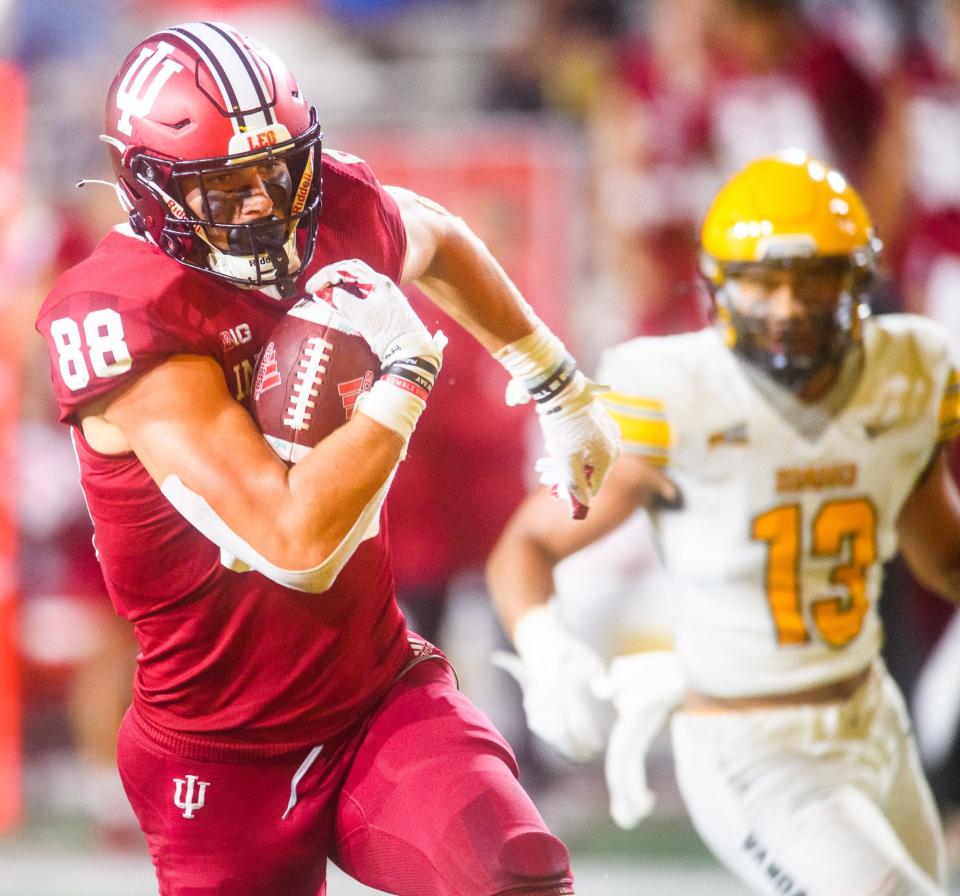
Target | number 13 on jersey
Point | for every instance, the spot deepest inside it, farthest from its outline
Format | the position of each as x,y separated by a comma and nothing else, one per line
836,525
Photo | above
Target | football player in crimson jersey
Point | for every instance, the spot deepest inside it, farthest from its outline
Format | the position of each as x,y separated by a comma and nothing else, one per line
805,440
282,715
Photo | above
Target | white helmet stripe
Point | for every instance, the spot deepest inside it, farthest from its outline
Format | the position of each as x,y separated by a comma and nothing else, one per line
234,70
249,61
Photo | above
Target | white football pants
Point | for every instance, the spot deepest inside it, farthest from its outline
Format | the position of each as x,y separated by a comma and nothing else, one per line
818,800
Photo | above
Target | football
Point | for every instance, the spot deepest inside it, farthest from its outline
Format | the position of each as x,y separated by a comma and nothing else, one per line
311,372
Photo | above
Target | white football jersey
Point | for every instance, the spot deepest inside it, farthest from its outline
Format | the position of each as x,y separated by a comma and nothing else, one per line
776,553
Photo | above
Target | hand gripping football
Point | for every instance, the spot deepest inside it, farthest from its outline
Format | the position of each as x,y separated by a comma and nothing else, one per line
311,372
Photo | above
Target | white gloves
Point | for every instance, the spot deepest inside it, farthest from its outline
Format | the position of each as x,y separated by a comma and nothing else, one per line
410,357
556,671
376,308
644,688
565,685
581,439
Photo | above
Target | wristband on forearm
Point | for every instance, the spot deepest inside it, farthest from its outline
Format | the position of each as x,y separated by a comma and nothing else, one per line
409,372
413,375
542,364
398,398
554,383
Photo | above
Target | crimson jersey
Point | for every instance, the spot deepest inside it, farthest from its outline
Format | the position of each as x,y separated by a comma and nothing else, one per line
814,98
671,169
229,661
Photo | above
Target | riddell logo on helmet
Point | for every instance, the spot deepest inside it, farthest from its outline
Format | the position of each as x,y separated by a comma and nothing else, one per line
300,200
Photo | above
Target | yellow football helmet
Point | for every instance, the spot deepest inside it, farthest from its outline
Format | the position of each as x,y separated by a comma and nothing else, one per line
789,212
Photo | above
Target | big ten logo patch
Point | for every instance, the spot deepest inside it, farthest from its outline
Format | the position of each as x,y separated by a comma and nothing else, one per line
242,379
234,336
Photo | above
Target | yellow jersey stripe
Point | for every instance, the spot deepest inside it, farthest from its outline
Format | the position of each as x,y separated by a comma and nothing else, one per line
644,432
636,402
949,431
949,410
950,407
642,424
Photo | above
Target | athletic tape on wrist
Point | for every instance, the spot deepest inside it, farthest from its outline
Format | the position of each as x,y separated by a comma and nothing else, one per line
541,362
412,345
393,406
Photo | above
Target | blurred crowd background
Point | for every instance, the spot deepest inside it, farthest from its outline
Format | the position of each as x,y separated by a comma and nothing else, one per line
582,139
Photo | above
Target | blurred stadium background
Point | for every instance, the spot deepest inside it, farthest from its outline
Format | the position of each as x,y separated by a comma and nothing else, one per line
581,139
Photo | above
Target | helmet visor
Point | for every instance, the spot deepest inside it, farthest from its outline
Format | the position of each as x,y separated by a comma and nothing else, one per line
248,217
793,319
249,208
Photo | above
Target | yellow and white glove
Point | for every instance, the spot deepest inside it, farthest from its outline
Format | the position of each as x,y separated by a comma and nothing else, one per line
580,437
644,689
556,672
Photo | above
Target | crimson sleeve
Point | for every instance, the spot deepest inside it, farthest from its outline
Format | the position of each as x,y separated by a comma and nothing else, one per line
99,342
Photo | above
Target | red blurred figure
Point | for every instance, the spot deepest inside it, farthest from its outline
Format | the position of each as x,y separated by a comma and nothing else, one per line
914,182
776,81
716,84
653,175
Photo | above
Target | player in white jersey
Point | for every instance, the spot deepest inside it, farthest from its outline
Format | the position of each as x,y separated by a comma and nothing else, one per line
800,442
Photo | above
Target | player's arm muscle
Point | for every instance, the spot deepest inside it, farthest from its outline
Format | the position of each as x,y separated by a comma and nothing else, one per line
452,266
541,534
180,420
928,530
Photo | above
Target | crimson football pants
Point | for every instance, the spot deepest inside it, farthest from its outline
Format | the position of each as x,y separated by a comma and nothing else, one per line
422,801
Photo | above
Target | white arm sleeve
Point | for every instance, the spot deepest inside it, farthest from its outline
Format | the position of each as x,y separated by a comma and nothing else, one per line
238,555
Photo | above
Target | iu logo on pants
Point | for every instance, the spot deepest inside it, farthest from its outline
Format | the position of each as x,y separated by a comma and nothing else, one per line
189,794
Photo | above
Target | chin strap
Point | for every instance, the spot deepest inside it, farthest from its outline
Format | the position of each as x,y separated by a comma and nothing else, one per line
277,262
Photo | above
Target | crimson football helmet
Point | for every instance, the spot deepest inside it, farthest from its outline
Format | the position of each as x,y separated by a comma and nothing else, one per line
197,116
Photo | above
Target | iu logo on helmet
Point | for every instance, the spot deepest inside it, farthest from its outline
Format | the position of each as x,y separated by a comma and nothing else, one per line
189,794
136,99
